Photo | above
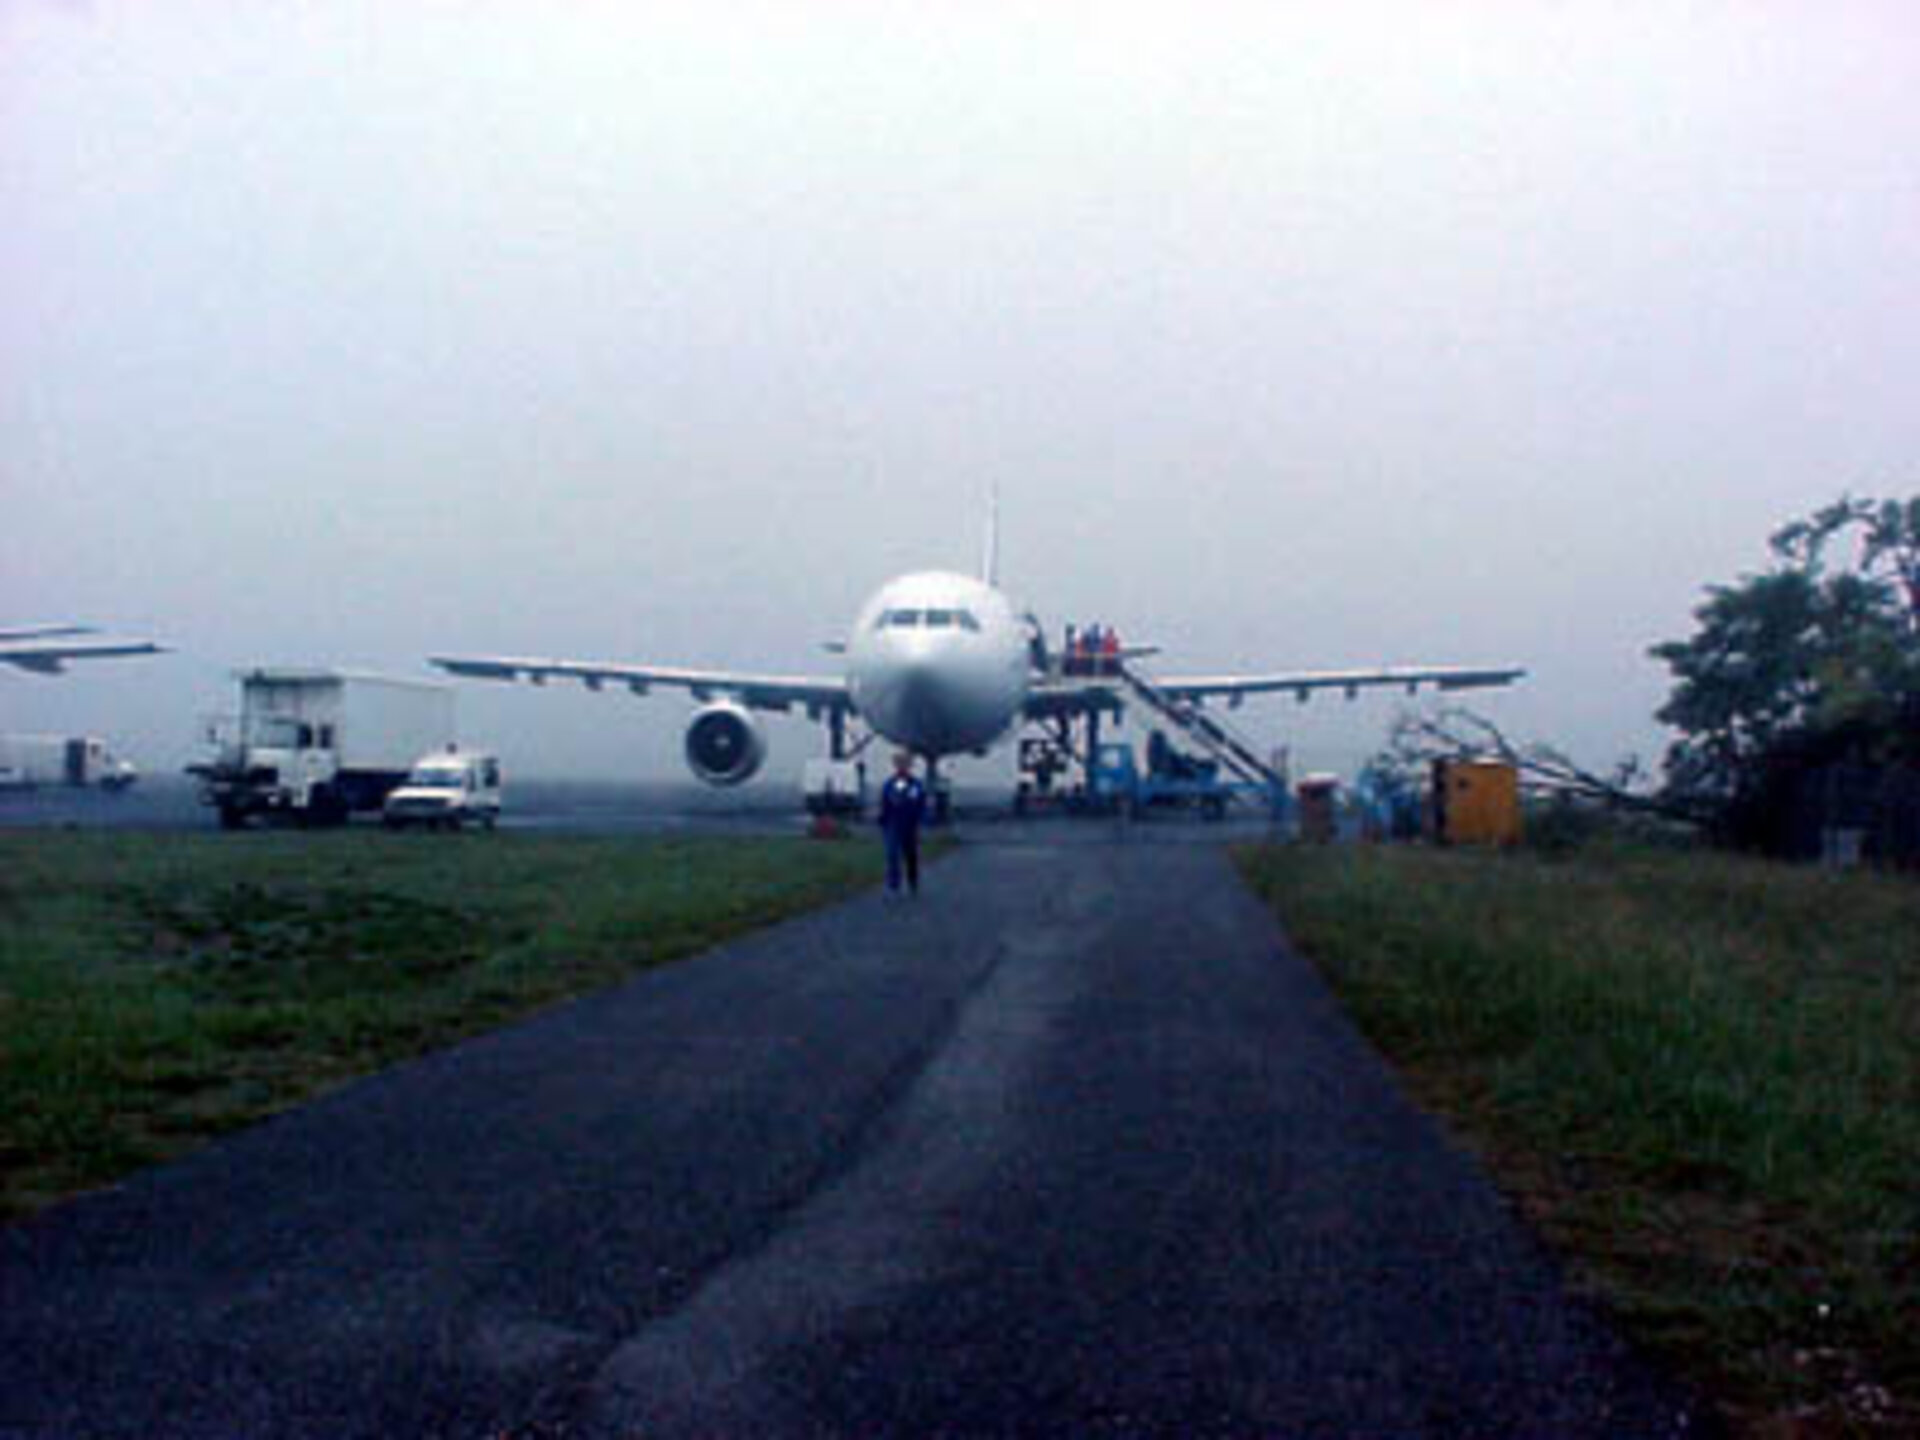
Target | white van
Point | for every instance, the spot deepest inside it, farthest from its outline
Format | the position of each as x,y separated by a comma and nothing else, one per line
446,790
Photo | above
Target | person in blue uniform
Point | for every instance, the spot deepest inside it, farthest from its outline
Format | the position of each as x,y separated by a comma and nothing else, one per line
903,805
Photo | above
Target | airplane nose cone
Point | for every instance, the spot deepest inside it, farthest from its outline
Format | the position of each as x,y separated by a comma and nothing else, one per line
930,692
935,704
922,694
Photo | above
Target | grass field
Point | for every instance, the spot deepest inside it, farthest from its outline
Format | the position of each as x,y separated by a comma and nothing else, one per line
159,989
1696,1074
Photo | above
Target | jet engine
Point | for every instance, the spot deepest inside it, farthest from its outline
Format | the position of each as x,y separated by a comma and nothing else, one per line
725,744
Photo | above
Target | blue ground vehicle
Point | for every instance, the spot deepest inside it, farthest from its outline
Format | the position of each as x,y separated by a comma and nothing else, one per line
1173,781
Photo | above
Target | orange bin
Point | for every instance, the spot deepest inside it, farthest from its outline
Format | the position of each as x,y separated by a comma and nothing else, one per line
1476,802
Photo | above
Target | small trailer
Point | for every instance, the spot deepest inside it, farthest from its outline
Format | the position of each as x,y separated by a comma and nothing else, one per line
834,787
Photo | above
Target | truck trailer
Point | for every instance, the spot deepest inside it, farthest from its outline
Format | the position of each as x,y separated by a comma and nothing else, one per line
28,762
315,746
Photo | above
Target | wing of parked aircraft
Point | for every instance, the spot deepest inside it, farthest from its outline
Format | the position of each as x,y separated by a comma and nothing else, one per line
45,649
1302,683
817,695
1070,694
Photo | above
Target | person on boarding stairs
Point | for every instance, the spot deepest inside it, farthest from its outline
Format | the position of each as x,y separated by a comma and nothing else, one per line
903,805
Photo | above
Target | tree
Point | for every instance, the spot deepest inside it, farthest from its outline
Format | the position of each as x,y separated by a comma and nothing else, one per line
1801,662
1889,553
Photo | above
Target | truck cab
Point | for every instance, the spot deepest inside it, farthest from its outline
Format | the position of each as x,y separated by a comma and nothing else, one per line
448,790
268,763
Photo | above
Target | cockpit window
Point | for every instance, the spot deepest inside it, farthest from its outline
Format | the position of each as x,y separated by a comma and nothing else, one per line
931,619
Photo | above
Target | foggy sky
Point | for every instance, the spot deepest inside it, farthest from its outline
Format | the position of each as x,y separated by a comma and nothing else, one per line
348,333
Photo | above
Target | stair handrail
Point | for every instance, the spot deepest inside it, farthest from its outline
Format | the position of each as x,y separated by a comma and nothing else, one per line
1213,732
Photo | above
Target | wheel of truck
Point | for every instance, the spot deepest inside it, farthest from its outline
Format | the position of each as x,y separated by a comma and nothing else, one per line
326,808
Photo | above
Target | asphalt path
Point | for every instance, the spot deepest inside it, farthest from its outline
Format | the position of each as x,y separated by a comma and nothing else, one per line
1071,1144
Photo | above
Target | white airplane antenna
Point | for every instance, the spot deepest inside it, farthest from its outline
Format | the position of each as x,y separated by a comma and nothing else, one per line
990,558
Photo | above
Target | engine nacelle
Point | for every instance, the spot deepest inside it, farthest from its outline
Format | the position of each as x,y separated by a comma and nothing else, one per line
725,744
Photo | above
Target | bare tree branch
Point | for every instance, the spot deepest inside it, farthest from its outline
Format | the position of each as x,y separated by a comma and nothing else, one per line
1453,731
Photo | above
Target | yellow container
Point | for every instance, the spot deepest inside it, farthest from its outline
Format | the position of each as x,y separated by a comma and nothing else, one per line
1476,802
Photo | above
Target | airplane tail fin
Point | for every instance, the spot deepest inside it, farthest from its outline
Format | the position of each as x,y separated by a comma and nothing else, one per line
990,556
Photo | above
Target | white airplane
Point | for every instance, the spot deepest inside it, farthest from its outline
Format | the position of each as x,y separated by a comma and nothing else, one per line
939,664
45,649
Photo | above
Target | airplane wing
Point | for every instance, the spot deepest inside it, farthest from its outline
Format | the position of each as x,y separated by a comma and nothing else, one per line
45,649
44,632
1302,683
1073,695
817,695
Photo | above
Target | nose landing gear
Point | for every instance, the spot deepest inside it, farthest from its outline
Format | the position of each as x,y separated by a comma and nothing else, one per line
939,795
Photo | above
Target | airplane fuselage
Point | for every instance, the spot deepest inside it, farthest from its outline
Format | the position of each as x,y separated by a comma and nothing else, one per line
938,663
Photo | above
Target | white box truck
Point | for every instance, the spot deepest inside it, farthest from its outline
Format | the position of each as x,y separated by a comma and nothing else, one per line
314,746
28,762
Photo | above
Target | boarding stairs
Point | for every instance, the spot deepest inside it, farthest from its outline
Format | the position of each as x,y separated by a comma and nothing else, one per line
1209,732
